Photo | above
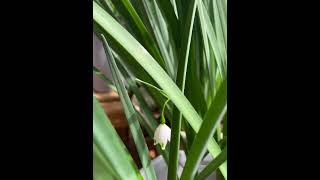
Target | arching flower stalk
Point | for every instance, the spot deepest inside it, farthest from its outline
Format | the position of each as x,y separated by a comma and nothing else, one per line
163,133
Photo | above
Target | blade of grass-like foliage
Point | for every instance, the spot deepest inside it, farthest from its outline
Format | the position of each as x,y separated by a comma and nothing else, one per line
143,122
98,2
213,165
194,91
152,123
203,35
101,168
168,111
168,11
130,63
141,55
149,121
222,8
131,115
160,31
157,26
208,61
100,75
214,73
134,80
193,86
106,6
219,30
212,119
181,10
140,29
206,22
165,153
181,78
110,145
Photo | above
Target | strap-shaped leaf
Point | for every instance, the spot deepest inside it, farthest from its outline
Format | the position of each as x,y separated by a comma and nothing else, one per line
181,79
212,119
107,81
110,145
131,115
213,165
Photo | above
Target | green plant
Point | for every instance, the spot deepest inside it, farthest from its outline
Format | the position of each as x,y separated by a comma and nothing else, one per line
177,51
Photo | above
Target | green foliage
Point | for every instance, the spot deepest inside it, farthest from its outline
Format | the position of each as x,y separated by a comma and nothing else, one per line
174,49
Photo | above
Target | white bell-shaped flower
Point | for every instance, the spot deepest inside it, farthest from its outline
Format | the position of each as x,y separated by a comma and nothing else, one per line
162,135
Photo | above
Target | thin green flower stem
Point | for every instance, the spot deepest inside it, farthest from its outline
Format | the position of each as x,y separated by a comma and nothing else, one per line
150,85
163,120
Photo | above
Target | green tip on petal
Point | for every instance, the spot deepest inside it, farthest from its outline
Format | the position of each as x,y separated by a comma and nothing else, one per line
162,146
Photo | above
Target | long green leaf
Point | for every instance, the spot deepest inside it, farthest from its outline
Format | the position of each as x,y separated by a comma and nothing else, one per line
107,81
212,119
110,145
149,121
167,9
134,67
130,63
141,30
208,59
193,92
213,165
181,78
220,32
152,123
141,55
221,5
161,33
193,85
131,115
206,22
101,168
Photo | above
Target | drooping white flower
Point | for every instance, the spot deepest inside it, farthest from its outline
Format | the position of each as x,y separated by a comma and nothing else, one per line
162,135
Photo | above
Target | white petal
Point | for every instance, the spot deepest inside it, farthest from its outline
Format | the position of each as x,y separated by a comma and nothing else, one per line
162,135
